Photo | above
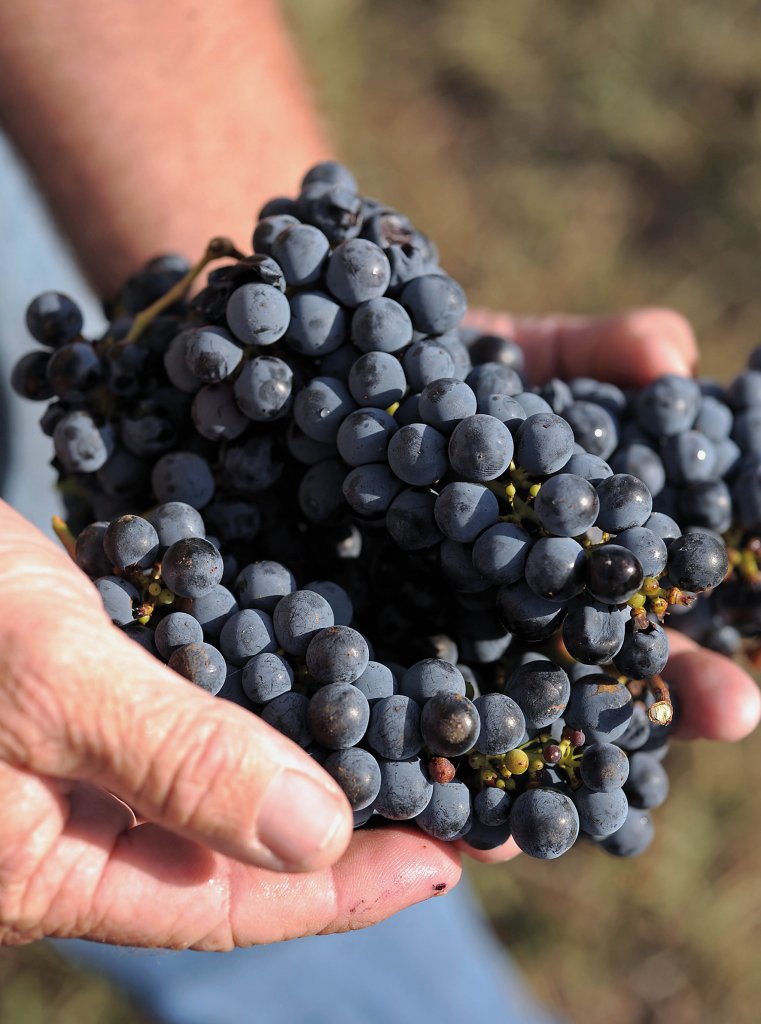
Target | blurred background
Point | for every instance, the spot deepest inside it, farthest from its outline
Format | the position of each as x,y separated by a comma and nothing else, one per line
576,157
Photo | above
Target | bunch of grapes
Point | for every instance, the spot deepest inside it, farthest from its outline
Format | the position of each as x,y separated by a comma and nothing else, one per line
477,642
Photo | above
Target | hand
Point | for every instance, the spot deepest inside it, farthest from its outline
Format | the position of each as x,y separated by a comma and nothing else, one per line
234,809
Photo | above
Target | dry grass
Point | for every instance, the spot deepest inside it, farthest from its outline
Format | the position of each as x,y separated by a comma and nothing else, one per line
584,157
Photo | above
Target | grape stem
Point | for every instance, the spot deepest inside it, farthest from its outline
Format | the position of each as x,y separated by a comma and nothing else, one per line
66,537
661,711
218,248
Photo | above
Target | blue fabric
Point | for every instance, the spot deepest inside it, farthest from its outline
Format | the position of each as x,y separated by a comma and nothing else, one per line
434,962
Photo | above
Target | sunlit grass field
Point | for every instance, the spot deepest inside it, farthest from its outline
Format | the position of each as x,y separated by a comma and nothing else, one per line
579,157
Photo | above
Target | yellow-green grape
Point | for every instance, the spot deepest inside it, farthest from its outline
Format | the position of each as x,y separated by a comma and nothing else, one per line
516,761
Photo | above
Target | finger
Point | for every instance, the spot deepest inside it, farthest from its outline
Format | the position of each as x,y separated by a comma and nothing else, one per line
82,701
54,832
149,887
629,348
500,854
717,699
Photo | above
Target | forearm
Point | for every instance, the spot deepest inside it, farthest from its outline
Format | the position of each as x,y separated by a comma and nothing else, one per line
152,126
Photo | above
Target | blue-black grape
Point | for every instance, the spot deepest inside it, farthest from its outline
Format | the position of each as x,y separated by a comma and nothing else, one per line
301,251
245,633
318,326
544,823
183,477
202,664
624,502
601,707
634,836
337,597
640,460
541,690
376,682
443,403
644,652
604,767
176,630
357,271
405,789
593,427
377,380
447,814
613,573
697,561
263,388
543,443
417,454
491,806
321,406
298,617
648,784
338,715
601,813
131,541
364,435
502,725
258,314
528,616
381,325
430,676
212,610
211,354
410,520
436,303
555,568
338,654
668,405
53,319
29,377
394,729
82,444
288,714
480,448
320,497
357,773
192,567
499,553
369,490
120,598
265,676
262,584
464,510
567,505
425,362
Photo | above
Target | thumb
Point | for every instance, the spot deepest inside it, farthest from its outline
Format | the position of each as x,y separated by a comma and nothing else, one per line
82,701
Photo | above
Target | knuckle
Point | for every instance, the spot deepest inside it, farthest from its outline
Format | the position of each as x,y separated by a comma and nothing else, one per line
202,758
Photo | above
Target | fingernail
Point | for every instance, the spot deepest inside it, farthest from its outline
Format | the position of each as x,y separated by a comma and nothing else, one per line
298,818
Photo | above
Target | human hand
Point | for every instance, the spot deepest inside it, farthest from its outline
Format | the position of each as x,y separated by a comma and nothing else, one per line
233,808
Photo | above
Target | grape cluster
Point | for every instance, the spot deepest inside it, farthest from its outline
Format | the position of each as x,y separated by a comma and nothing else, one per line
481,645
538,759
